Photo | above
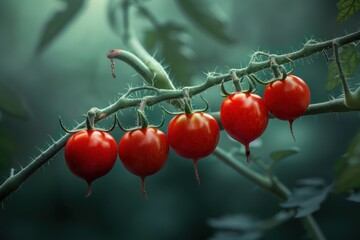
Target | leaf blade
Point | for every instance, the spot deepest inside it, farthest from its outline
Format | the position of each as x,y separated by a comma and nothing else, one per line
347,8
209,16
58,23
11,103
348,168
350,59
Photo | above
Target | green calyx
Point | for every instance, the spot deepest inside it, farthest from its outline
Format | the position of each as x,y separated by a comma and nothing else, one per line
143,123
252,79
90,123
188,109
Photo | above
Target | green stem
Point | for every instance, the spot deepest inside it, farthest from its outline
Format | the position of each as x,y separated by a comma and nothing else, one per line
15,181
351,100
270,184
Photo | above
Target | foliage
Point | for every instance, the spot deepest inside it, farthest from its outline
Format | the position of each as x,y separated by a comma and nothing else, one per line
347,8
307,198
58,22
246,227
173,42
11,103
348,168
350,59
279,155
210,17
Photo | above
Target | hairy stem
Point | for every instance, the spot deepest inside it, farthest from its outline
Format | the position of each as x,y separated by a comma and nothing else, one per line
17,179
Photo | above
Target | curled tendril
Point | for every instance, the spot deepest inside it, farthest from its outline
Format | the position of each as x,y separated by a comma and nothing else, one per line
143,123
198,110
223,91
87,128
252,84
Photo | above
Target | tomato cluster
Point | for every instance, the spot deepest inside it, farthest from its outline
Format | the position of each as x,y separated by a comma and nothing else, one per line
245,115
143,151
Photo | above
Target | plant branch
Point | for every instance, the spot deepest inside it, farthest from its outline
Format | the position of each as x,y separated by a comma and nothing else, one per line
15,181
351,100
271,184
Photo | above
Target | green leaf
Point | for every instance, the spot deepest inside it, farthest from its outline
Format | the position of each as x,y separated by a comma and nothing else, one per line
58,22
347,8
11,103
113,14
308,197
354,197
209,16
279,155
350,60
173,41
348,168
7,147
242,226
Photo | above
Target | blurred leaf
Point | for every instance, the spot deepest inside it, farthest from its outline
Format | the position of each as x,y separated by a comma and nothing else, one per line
347,8
276,156
246,227
238,222
348,168
209,16
350,60
307,198
355,197
10,103
236,236
279,155
58,22
312,182
113,12
7,147
174,44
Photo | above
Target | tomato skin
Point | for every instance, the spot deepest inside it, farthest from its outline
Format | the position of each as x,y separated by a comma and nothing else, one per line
143,152
287,99
193,135
90,154
244,117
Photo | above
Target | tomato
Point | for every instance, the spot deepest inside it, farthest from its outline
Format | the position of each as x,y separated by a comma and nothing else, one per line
193,136
287,99
143,152
244,117
90,154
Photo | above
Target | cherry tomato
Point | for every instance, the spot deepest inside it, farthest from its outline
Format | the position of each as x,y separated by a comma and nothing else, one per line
90,154
244,117
143,152
193,136
287,99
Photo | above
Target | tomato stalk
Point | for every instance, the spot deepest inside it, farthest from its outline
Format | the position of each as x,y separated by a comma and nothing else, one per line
351,99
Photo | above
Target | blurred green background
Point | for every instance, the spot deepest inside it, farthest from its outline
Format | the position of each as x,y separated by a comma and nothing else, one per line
72,74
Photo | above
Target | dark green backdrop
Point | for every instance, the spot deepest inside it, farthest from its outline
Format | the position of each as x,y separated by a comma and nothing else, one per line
73,74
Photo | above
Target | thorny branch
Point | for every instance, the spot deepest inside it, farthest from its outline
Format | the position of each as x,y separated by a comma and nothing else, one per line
16,180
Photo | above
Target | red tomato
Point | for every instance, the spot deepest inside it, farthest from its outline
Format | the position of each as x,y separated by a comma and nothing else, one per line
90,154
287,99
244,117
143,152
193,136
